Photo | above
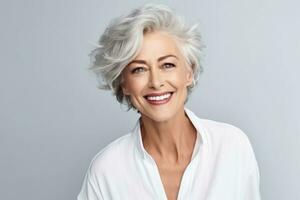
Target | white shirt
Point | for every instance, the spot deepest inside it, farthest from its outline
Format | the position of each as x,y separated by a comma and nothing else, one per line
222,167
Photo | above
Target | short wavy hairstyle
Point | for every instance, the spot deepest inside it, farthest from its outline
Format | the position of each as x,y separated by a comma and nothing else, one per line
122,40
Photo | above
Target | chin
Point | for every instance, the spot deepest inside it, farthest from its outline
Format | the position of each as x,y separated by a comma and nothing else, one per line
160,115
161,110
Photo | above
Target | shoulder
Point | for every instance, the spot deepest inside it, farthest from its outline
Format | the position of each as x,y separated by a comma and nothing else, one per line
224,132
219,134
103,165
216,131
229,141
112,155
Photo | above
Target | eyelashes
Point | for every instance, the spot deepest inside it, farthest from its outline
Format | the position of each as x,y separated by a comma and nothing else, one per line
141,69
137,70
168,65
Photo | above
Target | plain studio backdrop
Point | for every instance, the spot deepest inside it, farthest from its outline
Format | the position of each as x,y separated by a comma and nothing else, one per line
53,119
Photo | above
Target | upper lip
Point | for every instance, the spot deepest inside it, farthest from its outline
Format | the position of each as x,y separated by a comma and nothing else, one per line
157,94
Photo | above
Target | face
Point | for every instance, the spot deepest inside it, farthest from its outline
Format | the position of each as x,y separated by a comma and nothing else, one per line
157,79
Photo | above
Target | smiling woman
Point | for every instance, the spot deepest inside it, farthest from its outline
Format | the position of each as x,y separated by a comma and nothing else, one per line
157,79
150,59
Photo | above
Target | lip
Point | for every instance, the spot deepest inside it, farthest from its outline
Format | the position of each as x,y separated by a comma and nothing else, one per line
158,102
157,94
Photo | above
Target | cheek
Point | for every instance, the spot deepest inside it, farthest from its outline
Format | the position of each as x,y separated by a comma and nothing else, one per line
179,79
135,86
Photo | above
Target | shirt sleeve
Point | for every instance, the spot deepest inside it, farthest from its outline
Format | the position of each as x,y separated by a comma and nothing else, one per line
250,185
252,191
90,189
252,179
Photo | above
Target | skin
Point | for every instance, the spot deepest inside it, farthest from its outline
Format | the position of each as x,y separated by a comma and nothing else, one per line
167,133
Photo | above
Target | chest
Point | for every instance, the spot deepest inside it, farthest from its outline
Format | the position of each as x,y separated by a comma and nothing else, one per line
200,179
171,179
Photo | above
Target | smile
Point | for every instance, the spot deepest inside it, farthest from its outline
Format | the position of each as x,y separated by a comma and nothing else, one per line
159,99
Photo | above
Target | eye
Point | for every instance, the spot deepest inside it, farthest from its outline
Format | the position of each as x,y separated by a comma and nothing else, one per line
168,65
138,70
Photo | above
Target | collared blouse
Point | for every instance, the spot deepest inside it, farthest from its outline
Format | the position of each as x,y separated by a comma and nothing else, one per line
223,167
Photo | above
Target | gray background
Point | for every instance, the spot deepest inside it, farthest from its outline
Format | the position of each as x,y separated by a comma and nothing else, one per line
53,119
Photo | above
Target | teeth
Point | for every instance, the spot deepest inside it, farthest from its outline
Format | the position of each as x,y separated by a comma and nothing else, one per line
159,98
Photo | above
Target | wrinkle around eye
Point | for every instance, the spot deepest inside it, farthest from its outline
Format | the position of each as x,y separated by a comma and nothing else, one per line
138,70
168,65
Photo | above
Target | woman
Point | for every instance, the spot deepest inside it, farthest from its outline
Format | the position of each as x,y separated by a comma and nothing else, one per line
150,60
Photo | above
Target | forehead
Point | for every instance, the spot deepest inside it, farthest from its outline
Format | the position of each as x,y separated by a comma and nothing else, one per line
157,44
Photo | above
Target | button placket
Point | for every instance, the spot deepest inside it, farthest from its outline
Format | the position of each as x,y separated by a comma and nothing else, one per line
160,191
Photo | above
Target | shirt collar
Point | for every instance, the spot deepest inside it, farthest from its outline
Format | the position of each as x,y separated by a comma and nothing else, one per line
201,138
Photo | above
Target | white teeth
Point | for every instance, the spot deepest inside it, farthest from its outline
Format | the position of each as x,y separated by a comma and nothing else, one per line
158,98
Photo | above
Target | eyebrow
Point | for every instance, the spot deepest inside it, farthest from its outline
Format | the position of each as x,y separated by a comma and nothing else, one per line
159,59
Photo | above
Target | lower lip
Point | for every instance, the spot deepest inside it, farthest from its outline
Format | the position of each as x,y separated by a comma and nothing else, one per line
159,102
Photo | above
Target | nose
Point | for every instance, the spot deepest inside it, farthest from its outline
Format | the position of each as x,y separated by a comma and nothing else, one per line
156,79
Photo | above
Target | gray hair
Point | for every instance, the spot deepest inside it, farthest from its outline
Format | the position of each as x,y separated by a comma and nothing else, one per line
122,40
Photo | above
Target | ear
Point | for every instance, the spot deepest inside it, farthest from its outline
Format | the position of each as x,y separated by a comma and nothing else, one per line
190,77
124,89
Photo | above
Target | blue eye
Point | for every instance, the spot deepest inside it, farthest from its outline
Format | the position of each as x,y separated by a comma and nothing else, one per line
138,70
168,65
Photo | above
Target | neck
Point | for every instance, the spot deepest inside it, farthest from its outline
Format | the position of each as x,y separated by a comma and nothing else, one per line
172,140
